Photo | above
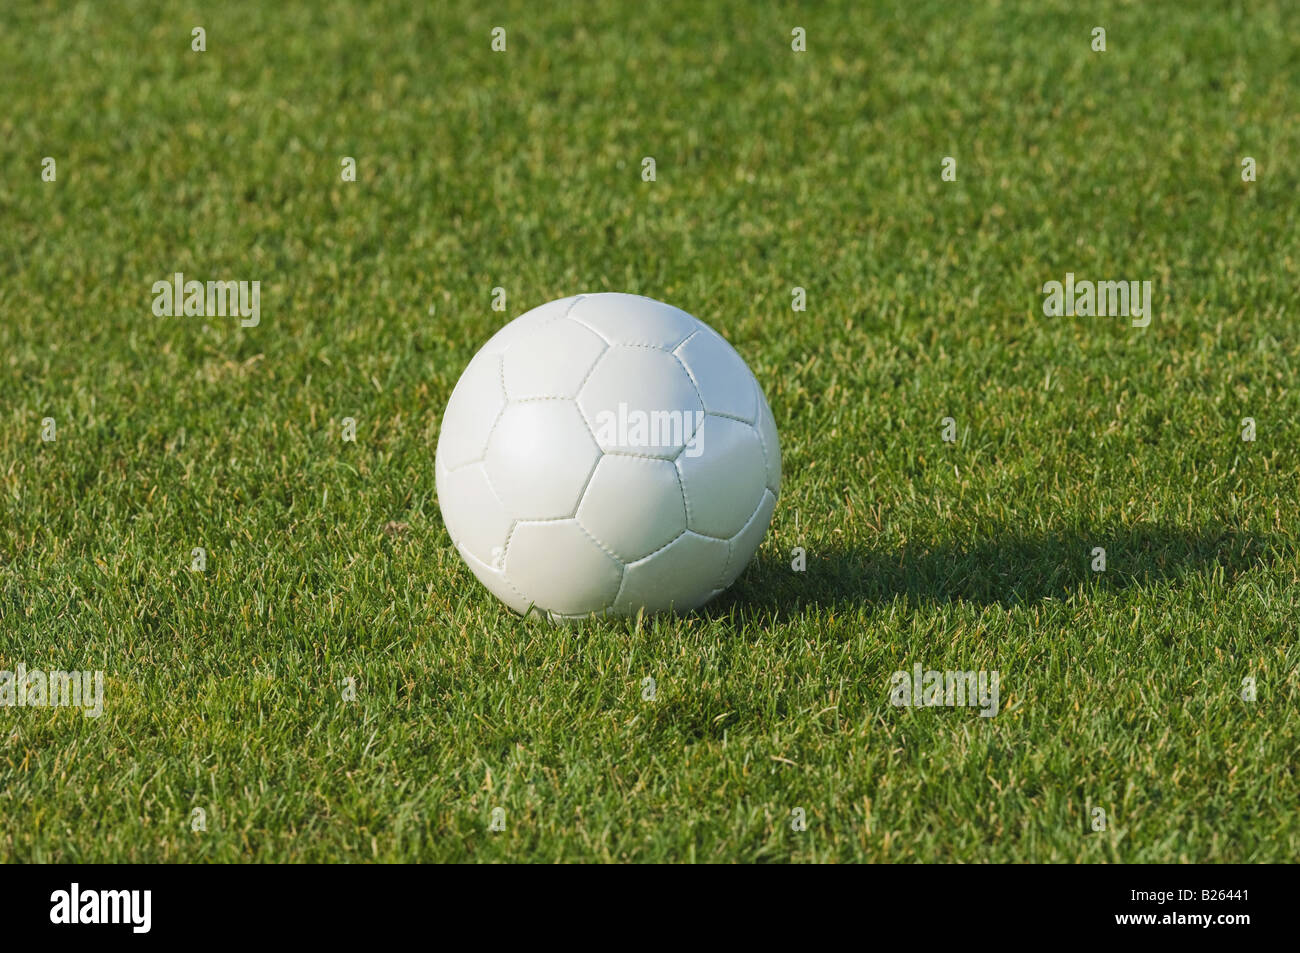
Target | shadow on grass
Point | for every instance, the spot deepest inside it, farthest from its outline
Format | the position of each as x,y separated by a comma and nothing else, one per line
1009,569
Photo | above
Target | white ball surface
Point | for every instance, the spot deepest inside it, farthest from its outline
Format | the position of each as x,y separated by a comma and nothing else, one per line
604,454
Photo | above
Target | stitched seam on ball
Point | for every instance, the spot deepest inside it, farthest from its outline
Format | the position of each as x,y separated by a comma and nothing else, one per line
501,371
461,466
572,304
487,478
495,571
545,324
663,547
515,589
591,370
585,484
731,543
691,377
681,481
767,452
578,321
583,383
754,516
699,326
505,547
687,442
587,423
621,565
552,320
682,487
684,341
725,539
726,563
574,616
641,456
621,583
584,324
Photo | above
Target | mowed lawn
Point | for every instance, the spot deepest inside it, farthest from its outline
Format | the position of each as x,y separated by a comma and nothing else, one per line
335,685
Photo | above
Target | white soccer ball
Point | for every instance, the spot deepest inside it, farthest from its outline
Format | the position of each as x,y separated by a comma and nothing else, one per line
607,453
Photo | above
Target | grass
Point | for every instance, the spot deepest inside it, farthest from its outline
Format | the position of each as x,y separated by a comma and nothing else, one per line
328,561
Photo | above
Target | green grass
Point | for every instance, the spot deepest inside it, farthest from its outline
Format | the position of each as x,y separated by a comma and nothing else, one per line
328,560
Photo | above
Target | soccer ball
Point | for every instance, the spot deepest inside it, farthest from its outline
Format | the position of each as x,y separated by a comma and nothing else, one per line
607,453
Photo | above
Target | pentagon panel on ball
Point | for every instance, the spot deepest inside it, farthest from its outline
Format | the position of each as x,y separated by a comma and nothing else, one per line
607,454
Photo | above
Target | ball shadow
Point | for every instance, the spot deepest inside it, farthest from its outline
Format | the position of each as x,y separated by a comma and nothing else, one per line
1007,569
